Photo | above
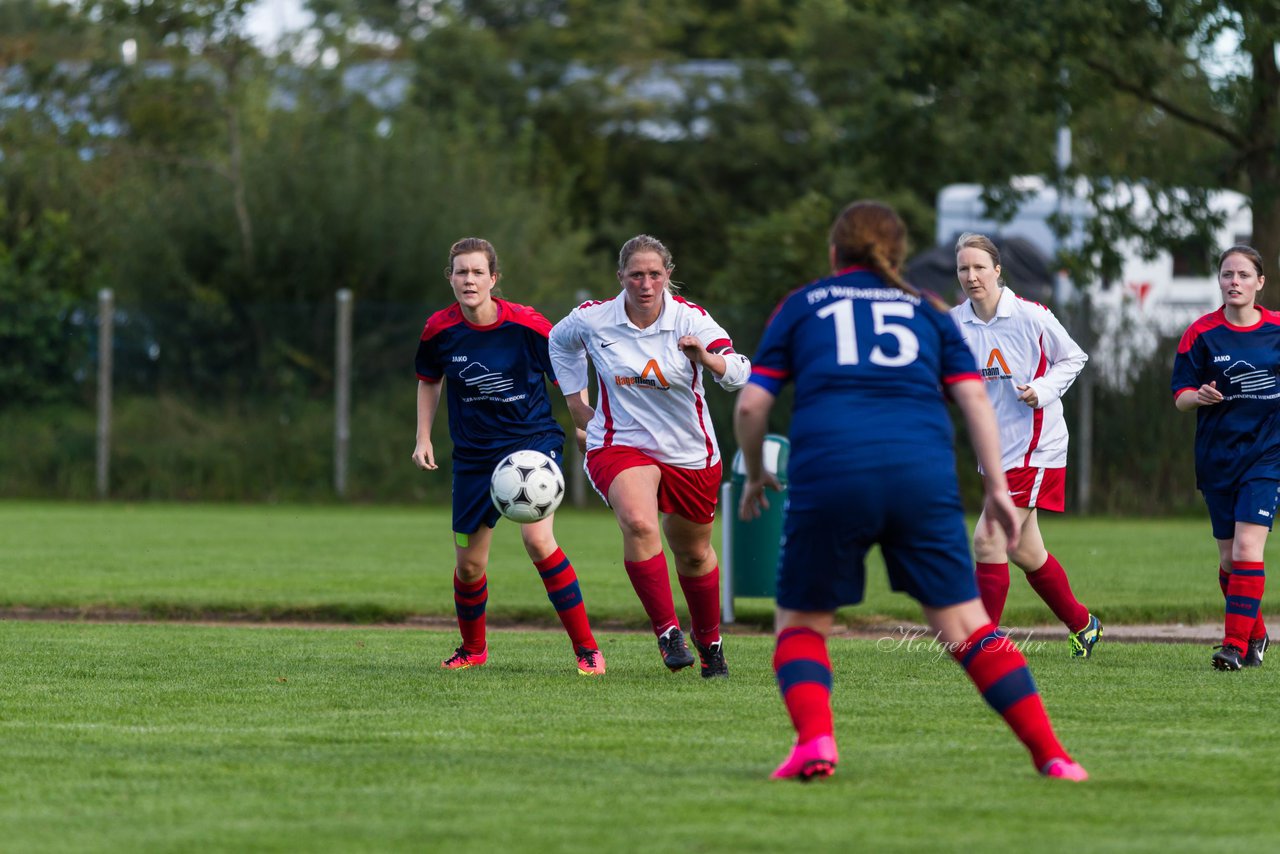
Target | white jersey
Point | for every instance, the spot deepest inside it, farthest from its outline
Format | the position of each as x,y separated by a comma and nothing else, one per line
650,396
1024,344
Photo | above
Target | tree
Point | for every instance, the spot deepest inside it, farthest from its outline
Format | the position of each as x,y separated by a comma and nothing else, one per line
1151,102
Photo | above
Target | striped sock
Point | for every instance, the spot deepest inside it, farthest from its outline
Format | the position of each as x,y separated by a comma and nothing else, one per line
803,669
993,587
1050,581
652,583
703,597
1244,601
469,601
561,582
999,671
1259,625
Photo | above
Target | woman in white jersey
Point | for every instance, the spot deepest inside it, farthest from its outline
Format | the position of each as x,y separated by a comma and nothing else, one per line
651,449
1028,361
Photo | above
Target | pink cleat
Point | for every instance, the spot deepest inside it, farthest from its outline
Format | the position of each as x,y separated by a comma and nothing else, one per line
1064,769
461,659
817,757
590,661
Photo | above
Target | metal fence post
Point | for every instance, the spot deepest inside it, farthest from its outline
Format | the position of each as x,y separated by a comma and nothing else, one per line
106,332
342,391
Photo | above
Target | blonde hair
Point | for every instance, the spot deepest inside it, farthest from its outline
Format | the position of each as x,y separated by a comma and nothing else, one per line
647,243
973,240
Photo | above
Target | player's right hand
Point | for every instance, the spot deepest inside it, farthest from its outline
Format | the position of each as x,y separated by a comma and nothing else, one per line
1208,394
424,457
753,501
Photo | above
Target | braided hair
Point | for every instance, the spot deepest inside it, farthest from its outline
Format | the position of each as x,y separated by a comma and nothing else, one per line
872,234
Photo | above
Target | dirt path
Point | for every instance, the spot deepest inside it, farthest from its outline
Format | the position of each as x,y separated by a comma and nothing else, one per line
1170,633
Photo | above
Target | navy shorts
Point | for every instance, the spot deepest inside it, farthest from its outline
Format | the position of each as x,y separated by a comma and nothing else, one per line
1254,501
472,506
916,518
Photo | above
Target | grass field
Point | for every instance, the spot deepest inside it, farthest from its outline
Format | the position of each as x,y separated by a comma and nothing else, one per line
180,737
374,564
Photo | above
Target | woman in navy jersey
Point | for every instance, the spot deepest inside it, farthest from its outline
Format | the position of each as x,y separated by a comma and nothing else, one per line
1028,361
651,448
494,356
1228,370
873,362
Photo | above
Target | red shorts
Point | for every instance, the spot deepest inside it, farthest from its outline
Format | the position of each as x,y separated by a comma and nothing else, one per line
691,493
1045,489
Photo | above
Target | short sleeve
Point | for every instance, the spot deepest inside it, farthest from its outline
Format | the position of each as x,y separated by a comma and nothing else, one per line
771,367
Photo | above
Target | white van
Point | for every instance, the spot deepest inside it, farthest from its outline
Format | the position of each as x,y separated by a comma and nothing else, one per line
1166,292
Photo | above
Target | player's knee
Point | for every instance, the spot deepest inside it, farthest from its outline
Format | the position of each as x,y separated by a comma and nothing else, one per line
637,526
697,555
538,544
988,548
1029,559
469,570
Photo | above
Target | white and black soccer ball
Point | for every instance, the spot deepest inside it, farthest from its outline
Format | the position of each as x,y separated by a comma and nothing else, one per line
527,486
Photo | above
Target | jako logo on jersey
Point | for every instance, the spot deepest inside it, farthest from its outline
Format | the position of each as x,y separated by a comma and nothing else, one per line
991,372
657,381
1217,359
1249,378
484,380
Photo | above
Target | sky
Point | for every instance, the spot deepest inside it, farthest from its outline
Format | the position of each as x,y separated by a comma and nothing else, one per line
269,19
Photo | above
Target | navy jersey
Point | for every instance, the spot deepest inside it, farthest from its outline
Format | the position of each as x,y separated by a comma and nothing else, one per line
497,393
1239,438
869,363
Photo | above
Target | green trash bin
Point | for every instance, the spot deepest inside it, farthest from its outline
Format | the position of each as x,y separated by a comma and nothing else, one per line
749,559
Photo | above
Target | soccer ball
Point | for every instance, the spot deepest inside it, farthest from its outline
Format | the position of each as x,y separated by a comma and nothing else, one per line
527,486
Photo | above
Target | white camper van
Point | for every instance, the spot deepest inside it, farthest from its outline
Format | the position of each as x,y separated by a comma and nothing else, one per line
1166,292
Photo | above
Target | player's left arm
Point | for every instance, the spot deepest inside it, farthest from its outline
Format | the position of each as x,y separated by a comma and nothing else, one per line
1066,360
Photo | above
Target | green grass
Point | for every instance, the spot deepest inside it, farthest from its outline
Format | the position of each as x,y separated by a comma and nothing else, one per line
179,738
370,564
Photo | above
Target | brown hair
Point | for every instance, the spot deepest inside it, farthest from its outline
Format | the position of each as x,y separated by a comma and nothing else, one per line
973,240
466,246
872,234
1247,251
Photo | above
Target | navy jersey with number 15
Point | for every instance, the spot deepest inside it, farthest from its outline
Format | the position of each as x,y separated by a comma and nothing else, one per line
497,393
869,363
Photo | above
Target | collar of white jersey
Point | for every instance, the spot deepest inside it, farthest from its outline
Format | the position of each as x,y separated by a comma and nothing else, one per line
1004,308
666,320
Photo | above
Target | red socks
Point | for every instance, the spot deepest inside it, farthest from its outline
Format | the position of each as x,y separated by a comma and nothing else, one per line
1050,581
999,671
1244,601
469,602
993,587
1259,625
562,587
803,669
652,584
703,597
